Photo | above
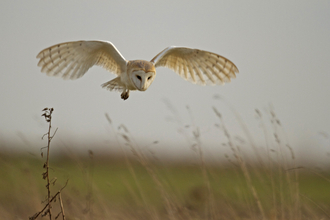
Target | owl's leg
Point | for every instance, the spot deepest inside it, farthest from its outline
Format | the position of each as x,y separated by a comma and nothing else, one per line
125,94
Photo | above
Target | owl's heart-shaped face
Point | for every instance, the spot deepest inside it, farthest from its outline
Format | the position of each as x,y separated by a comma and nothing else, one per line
142,80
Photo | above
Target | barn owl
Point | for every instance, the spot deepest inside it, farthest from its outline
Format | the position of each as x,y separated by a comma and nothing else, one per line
71,60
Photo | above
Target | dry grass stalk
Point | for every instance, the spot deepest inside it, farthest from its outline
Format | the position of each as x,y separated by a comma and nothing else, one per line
317,205
62,208
142,158
241,163
117,133
196,146
210,205
48,207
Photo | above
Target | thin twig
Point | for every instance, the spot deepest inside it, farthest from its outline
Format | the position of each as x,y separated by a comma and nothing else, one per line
38,213
47,113
47,163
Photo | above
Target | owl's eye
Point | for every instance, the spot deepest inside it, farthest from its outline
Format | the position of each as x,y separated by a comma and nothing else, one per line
149,77
139,77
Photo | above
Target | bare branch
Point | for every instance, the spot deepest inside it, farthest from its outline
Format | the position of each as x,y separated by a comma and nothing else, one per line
58,193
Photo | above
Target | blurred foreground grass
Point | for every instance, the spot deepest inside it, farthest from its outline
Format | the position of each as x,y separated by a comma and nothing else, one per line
253,183
110,188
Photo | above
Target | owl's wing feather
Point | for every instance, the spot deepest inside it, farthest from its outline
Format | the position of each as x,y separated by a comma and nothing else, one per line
71,60
197,66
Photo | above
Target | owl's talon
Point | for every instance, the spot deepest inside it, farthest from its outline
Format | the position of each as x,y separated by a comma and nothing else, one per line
125,95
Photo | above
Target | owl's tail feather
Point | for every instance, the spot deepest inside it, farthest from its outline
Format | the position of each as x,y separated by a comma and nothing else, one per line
114,84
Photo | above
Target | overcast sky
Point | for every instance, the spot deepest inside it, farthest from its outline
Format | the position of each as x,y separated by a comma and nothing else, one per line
281,48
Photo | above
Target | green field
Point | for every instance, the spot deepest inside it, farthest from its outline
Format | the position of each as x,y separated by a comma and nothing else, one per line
250,183
102,187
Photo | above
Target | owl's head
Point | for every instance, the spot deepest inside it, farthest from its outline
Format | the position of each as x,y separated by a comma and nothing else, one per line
142,74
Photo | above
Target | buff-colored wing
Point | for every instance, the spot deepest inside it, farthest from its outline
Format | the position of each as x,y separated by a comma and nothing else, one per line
71,60
197,66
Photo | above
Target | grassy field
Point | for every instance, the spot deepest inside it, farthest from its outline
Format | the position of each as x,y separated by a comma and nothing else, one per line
112,188
136,185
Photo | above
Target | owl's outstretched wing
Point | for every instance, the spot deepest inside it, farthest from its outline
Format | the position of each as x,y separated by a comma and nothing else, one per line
197,66
71,60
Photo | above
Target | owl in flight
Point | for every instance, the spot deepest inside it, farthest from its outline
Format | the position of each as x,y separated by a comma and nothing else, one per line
71,60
